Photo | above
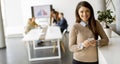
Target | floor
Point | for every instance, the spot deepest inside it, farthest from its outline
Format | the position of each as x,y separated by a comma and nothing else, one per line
16,53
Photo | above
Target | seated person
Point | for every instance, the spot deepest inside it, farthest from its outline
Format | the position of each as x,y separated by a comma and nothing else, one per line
31,25
62,22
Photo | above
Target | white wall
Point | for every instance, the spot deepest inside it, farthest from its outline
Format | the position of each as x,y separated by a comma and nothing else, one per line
117,16
12,13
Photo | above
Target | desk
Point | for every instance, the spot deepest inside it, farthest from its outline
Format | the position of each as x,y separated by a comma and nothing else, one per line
53,32
110,54
113,34
35,34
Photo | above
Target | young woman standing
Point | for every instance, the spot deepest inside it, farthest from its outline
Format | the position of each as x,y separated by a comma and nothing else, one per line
83,36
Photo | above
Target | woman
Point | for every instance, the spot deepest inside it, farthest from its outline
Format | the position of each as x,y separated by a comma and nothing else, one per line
31,25
54,17
83,37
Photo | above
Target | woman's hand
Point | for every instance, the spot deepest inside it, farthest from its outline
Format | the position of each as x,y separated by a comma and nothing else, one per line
86,43
93,42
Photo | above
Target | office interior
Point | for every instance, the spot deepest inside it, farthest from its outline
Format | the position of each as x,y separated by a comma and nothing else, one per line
14,15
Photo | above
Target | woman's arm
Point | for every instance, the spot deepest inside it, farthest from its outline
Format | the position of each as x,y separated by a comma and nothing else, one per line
104,39
73,40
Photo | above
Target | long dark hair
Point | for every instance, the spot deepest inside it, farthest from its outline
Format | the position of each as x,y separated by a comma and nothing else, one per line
92,21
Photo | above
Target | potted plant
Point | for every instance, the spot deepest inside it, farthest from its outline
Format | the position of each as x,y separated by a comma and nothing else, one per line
107,18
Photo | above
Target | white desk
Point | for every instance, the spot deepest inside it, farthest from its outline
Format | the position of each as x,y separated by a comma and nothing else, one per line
110,54
33,34
52,33
113,34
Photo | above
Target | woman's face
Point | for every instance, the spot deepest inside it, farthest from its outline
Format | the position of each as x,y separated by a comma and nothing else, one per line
84,13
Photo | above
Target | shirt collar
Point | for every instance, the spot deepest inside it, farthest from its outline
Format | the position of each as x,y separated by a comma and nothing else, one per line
83,23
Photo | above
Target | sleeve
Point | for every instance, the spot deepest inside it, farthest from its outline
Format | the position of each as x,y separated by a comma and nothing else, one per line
27,29
73,40
36,25
61,23
104,39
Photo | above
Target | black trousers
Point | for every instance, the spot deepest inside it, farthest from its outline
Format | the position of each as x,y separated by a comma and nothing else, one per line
78,62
